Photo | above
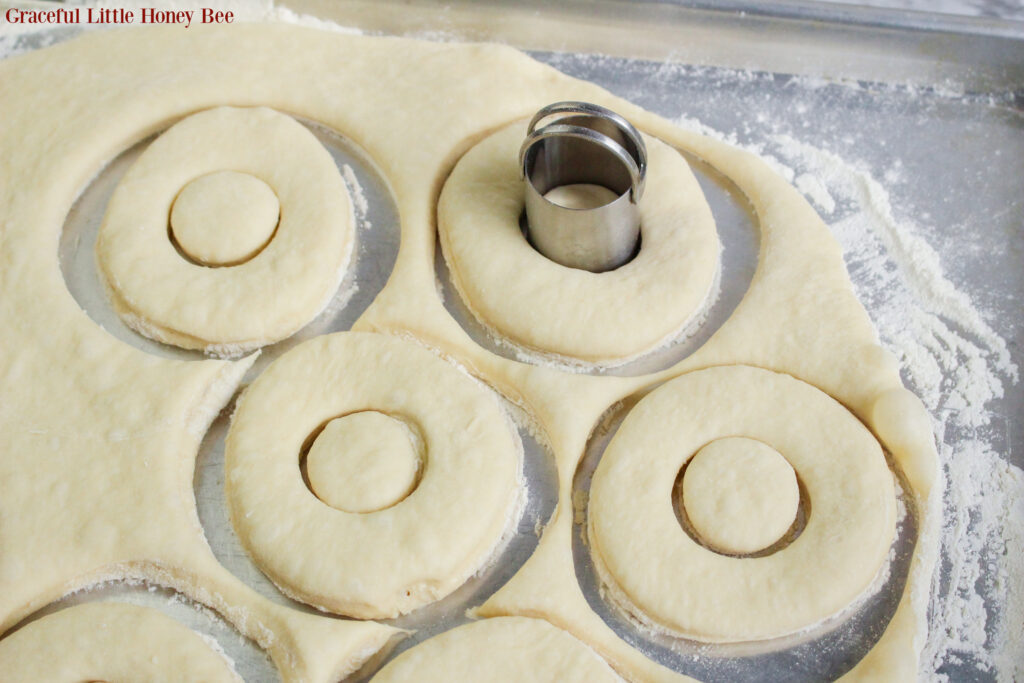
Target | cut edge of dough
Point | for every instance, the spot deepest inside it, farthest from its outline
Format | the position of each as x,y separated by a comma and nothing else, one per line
215,645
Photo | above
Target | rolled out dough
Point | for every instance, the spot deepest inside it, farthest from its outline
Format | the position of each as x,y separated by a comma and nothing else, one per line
97,439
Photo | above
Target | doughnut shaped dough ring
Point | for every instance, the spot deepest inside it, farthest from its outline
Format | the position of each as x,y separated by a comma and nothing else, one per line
110,641
499,650
384,563
227,310
673,584
597,318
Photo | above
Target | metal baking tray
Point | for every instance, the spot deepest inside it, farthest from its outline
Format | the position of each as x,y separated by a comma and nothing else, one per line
916,88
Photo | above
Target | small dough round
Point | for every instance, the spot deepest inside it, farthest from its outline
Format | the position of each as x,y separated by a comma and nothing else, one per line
740,495
224,218
500,650
227,311
384,563
110,641
656,571
596,318
364,462
580,196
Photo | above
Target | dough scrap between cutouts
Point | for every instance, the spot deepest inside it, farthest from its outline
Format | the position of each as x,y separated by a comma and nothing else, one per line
800,316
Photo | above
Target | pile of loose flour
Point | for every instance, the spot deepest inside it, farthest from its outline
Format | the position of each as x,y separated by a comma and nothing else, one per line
953,359
957,364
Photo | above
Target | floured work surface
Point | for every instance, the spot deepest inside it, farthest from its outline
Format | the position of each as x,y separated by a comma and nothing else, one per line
845,195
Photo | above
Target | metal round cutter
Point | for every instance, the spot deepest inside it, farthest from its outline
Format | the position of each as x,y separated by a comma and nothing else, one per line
581,146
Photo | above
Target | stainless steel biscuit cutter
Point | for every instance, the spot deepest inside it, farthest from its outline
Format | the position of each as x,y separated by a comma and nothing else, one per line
583,143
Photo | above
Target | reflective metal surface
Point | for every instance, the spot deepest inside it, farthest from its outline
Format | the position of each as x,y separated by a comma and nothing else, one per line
583,144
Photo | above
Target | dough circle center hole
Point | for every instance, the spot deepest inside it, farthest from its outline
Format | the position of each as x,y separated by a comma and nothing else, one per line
581,196
224,218
739,496
364,462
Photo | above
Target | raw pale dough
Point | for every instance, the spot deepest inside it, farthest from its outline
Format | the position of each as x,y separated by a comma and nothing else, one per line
672,583
97,439
599,318
110,641
227,311
224,218
580,196
740,495
364,462
384,563
502,650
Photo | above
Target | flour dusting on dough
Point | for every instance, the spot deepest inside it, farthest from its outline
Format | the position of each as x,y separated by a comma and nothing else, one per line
362,207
